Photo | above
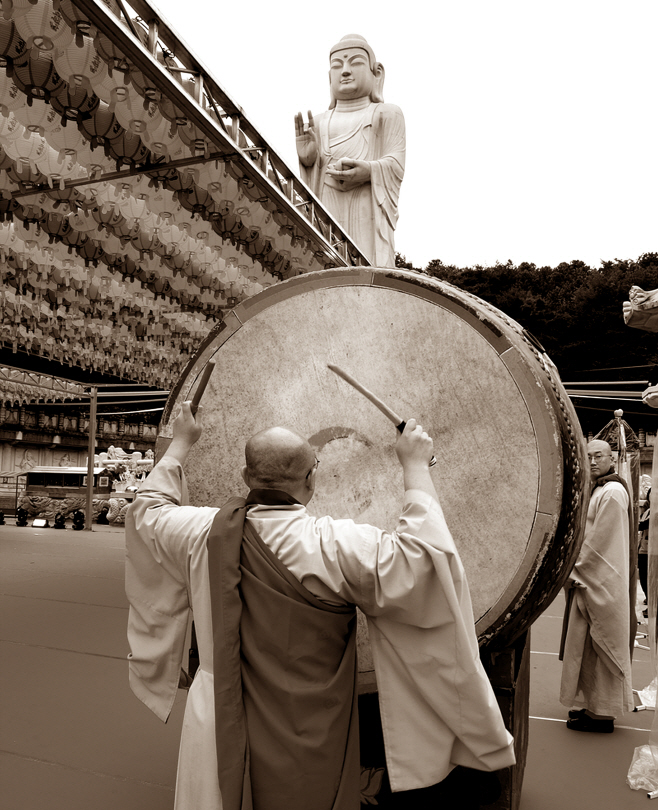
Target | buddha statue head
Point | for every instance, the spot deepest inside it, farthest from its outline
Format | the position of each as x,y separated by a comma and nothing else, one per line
354,72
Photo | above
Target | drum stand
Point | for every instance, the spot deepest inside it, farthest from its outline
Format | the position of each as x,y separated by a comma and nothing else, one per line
509,672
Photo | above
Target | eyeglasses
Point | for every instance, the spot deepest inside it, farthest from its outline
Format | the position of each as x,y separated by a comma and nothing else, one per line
314,467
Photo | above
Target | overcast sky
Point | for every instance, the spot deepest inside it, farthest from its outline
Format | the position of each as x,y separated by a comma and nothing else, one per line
531,126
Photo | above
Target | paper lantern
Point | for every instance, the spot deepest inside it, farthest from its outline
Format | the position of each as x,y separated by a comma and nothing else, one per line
194,139
127,148
107,218
34,73
66,140
101,127
11,98
54,167
77,20
74,103
110,87
16,8
137,116
162,139
38,117
43,28
12,45
112,55
23,151
77,65
7,186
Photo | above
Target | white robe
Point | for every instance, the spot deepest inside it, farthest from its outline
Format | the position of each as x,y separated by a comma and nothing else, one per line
596,671
437,706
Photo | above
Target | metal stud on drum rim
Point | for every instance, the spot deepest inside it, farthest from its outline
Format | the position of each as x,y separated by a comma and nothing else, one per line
511,470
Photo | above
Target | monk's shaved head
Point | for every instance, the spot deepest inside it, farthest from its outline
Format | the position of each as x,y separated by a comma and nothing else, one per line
278,457
600,458
599,446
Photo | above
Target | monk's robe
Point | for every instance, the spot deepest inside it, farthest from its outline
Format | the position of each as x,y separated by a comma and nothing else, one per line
596,671
438,709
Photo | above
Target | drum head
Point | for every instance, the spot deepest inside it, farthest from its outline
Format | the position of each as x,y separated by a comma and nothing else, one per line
509,451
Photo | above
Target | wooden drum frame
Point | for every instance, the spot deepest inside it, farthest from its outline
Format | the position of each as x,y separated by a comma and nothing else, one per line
511,472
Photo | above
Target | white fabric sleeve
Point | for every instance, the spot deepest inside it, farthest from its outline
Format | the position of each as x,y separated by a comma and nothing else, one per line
160,537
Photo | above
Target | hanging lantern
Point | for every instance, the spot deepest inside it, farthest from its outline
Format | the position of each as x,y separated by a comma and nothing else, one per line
91,252
77,65
12,45
162,139
65,140
107,218
197,200
112,55
34,73
136,116
16,8
169,109
134,210
194,139
10,129
145,87
39,117
43,28
77,20
57,226
102,127
74,103
11,98
146,243
128,149
23,151
110,87
55,168
7,187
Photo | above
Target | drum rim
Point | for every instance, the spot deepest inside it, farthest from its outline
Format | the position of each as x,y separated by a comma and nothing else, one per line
493,326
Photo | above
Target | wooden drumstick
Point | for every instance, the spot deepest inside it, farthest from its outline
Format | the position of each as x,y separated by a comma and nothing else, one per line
399,423
201,387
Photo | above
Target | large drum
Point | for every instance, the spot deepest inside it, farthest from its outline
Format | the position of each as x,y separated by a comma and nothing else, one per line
511,469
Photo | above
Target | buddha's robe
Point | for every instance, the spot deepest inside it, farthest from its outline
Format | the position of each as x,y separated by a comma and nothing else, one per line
373,132
437,706
596,672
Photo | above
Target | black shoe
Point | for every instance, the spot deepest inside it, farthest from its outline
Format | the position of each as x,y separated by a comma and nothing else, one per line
574,714
586,723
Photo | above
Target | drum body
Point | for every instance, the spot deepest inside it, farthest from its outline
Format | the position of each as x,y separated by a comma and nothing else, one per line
511,472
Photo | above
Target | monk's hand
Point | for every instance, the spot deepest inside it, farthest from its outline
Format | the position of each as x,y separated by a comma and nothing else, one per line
186,431
414,448
307,139
350,173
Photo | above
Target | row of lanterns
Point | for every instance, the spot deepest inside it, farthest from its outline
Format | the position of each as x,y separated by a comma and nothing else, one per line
105,342
123,108
27,245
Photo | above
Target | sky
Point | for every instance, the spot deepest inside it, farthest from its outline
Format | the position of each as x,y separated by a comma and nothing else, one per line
531,125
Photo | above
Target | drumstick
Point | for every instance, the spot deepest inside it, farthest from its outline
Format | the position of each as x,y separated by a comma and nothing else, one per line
399,423
201,387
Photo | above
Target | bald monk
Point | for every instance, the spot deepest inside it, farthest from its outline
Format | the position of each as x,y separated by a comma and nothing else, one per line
596,671
271,721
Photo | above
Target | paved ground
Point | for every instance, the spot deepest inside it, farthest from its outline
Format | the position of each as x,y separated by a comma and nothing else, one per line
72,736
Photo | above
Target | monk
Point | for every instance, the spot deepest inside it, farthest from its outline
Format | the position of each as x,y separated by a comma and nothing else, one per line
271,721
352,156
596,673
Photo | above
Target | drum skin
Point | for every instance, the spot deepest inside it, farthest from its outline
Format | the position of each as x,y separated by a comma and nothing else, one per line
510,474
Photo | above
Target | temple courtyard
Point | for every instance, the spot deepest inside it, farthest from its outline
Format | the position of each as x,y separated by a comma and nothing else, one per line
75,738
